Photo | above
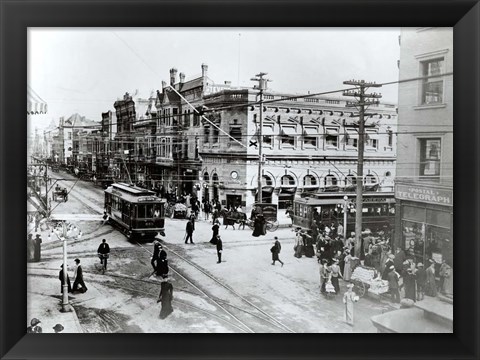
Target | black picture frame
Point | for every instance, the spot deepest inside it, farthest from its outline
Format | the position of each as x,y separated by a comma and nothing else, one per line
16,16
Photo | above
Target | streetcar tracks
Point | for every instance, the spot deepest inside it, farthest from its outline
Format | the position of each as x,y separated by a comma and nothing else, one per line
266,317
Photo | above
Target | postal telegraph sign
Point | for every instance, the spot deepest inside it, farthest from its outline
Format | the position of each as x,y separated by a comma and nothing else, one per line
424,194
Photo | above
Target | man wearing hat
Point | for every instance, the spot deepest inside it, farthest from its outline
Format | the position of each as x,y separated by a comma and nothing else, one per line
79,277
58,328
393,286
275,249
156,251
34,327
421,278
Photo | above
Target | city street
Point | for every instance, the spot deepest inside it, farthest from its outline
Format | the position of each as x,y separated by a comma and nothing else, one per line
244,293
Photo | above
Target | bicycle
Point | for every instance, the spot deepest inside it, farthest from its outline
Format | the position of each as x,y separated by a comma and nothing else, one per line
103,258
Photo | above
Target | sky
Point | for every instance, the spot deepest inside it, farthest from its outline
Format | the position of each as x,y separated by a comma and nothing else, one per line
85,70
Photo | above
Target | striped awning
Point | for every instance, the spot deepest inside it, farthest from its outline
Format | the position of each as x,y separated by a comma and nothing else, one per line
35,104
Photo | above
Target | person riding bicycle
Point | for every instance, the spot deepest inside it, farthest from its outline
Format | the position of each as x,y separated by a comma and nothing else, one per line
103,252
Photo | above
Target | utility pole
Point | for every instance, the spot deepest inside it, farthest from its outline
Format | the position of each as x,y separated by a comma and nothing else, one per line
362,101
262,85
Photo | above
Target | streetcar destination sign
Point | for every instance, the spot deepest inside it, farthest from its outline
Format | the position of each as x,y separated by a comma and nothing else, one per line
424,194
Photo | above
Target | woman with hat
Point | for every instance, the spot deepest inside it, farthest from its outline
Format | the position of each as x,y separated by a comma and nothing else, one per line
335,275
349,298
393,285
298,247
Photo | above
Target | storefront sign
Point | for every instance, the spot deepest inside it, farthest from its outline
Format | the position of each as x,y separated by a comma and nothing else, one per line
423,194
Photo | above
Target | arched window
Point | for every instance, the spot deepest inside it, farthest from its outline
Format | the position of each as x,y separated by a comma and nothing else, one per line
266,180
350,180
309,180
330,180
288,180
206,177
370,179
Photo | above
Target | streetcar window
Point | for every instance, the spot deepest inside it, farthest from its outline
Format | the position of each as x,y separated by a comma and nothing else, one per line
149,210
141,211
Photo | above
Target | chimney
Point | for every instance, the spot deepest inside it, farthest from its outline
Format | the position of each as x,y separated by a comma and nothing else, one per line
182,78
173,76
204,70
164,85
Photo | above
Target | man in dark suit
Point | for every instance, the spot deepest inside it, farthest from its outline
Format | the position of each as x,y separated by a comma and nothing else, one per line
79,277
103,249
219,249
189,229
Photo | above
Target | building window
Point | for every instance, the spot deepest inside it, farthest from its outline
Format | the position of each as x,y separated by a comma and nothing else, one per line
330,180
288,180
350,180
287,136
206,134
267,136
331,137
430,158
390,138
215,134
235,133
309,180
310,136
267,180
370,179
371,140
351,138
432,89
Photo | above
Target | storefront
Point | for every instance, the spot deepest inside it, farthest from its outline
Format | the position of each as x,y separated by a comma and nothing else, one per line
425,225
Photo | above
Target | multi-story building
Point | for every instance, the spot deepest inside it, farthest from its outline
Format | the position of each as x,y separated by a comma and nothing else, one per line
309,143
424,179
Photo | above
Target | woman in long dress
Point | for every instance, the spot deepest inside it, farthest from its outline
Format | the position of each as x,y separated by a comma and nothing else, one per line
347,270
349,298
410,283
166,297
298,244
431,286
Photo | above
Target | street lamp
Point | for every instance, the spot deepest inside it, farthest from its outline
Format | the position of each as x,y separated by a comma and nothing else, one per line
346,207
63,235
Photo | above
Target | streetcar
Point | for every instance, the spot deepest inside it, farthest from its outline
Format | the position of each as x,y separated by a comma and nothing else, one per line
327,208
136,211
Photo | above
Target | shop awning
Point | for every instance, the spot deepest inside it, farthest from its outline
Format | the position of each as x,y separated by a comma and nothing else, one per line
310,131
35,104
373,136
266,189
332,132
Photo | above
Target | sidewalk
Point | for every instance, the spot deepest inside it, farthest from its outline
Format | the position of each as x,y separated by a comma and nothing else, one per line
47,308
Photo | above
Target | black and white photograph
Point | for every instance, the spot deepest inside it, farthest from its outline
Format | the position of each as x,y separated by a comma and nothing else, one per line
240,180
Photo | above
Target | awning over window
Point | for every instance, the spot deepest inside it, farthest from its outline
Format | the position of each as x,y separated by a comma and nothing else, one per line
372,136
332,132
352,135
310,131
266,131
35,104
290,131
266,189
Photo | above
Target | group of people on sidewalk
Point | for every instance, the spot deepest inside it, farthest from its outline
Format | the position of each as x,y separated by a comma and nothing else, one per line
35,327
78,282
